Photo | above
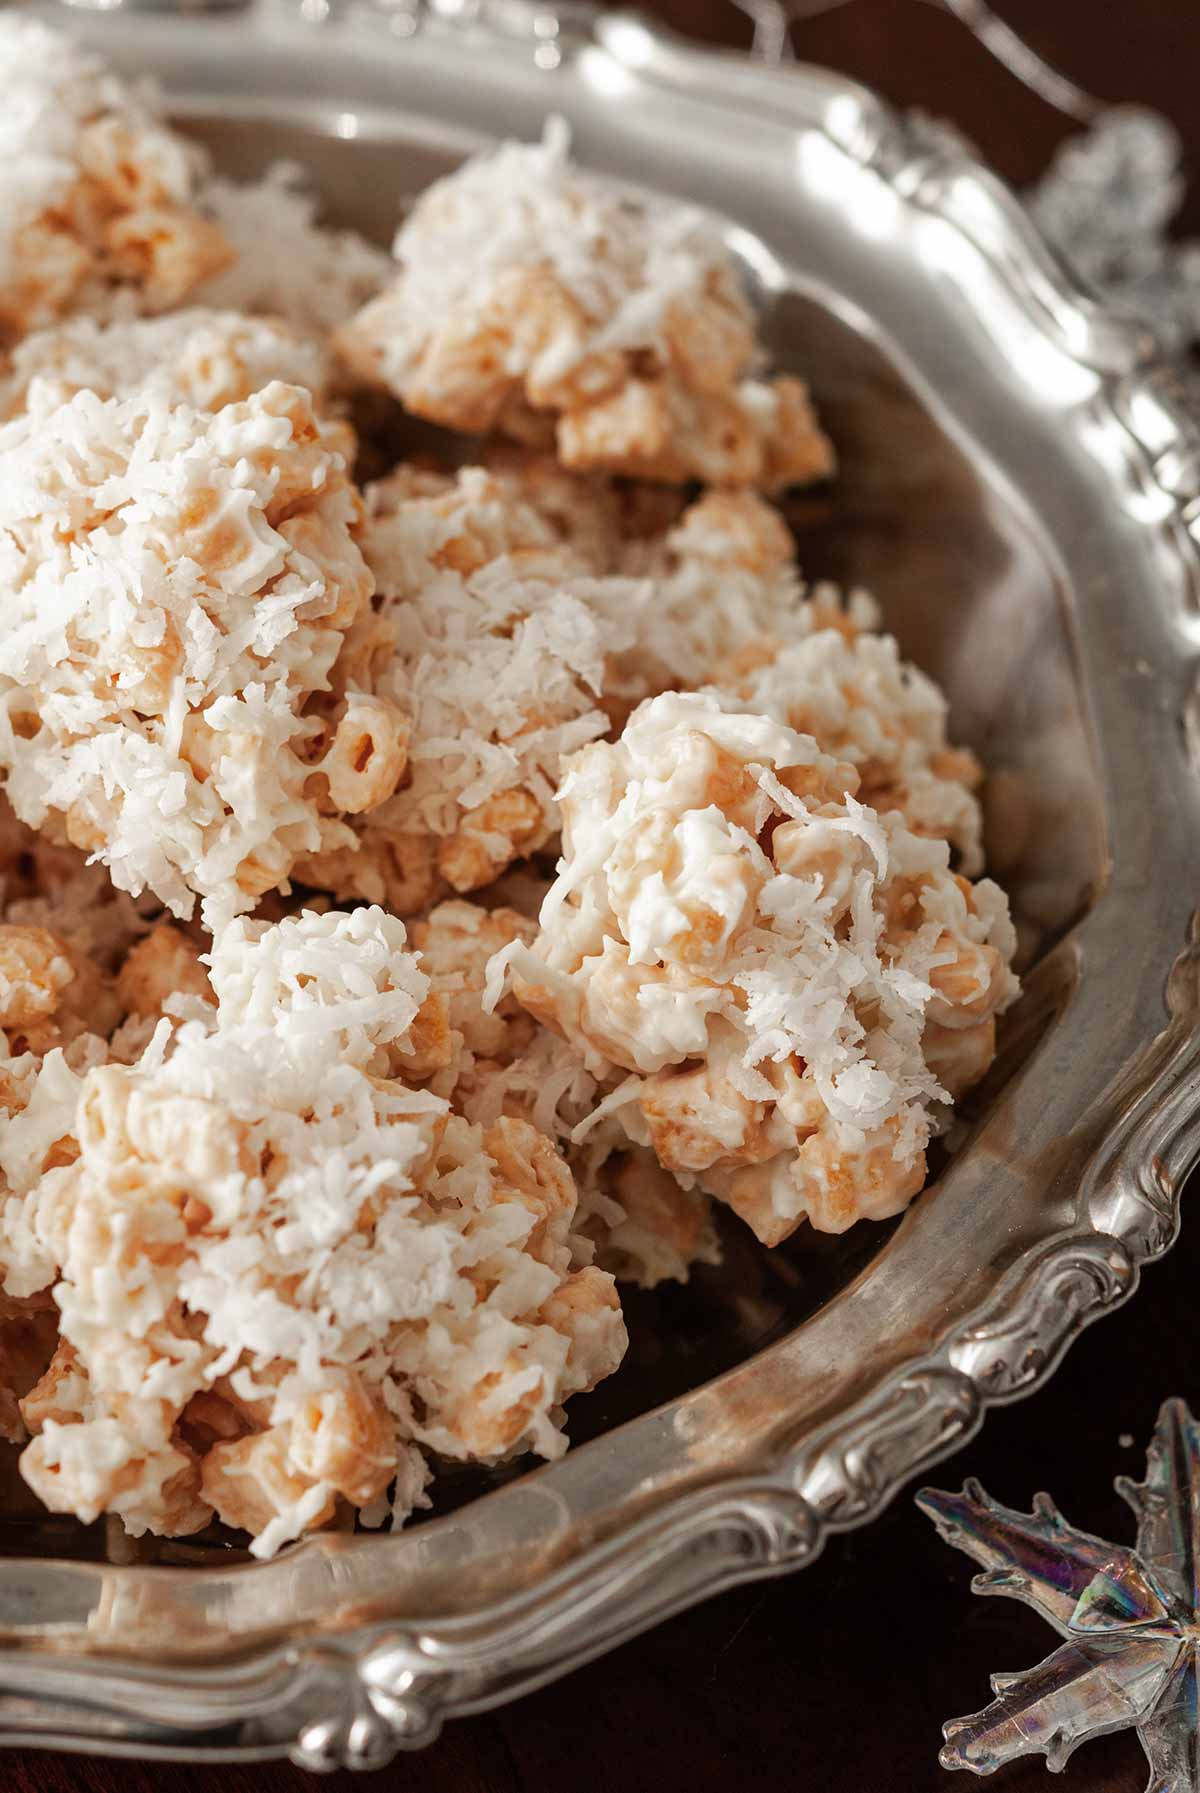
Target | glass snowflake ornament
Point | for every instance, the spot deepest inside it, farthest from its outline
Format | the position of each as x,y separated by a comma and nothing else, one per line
1130,1618
1107,202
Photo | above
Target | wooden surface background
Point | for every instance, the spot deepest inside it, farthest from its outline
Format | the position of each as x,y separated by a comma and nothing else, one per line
838,1680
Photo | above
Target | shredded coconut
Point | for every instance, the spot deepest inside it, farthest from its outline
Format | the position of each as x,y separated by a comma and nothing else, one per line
205,359
285,264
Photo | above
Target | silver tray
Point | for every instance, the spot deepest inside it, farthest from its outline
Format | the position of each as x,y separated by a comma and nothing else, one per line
1021,486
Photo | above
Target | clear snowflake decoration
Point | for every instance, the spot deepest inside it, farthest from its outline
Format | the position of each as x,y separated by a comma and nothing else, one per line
1106,203
1108,198
1130,1618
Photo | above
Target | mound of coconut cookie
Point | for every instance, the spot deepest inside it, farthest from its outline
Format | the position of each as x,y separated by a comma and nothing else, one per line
426,902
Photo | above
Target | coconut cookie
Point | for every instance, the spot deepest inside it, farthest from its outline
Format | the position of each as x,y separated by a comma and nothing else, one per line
796,985
175,587
537,301
286,1274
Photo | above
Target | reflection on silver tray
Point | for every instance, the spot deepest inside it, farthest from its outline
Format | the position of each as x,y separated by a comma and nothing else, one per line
1020,486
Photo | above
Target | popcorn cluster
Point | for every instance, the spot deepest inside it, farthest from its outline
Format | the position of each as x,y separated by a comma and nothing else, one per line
296,1207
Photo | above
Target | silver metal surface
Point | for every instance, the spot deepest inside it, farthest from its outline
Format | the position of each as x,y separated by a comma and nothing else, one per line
1021,486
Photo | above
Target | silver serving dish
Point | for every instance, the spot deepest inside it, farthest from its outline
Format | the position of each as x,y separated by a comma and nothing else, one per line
1021,486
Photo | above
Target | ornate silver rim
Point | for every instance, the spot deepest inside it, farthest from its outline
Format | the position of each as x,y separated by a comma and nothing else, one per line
364,1691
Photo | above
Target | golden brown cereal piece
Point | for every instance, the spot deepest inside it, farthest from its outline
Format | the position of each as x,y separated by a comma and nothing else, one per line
252,1412
210,1419
629,431
657,431
970,985
488,1421
49,992
710,340
60,1393
822,1183
182,1508
28,1335
645,1227
530,1171
159,255
959,1057
698,1121
346,1439
586,1310
367,754
466,376
162,253
35,972
398,869
737,529
89,1468
795,449
592,517
166,963
655,1202
456,941
251,1481
508,826
433,1043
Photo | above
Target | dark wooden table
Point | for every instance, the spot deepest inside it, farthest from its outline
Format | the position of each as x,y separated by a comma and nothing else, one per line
838,1680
